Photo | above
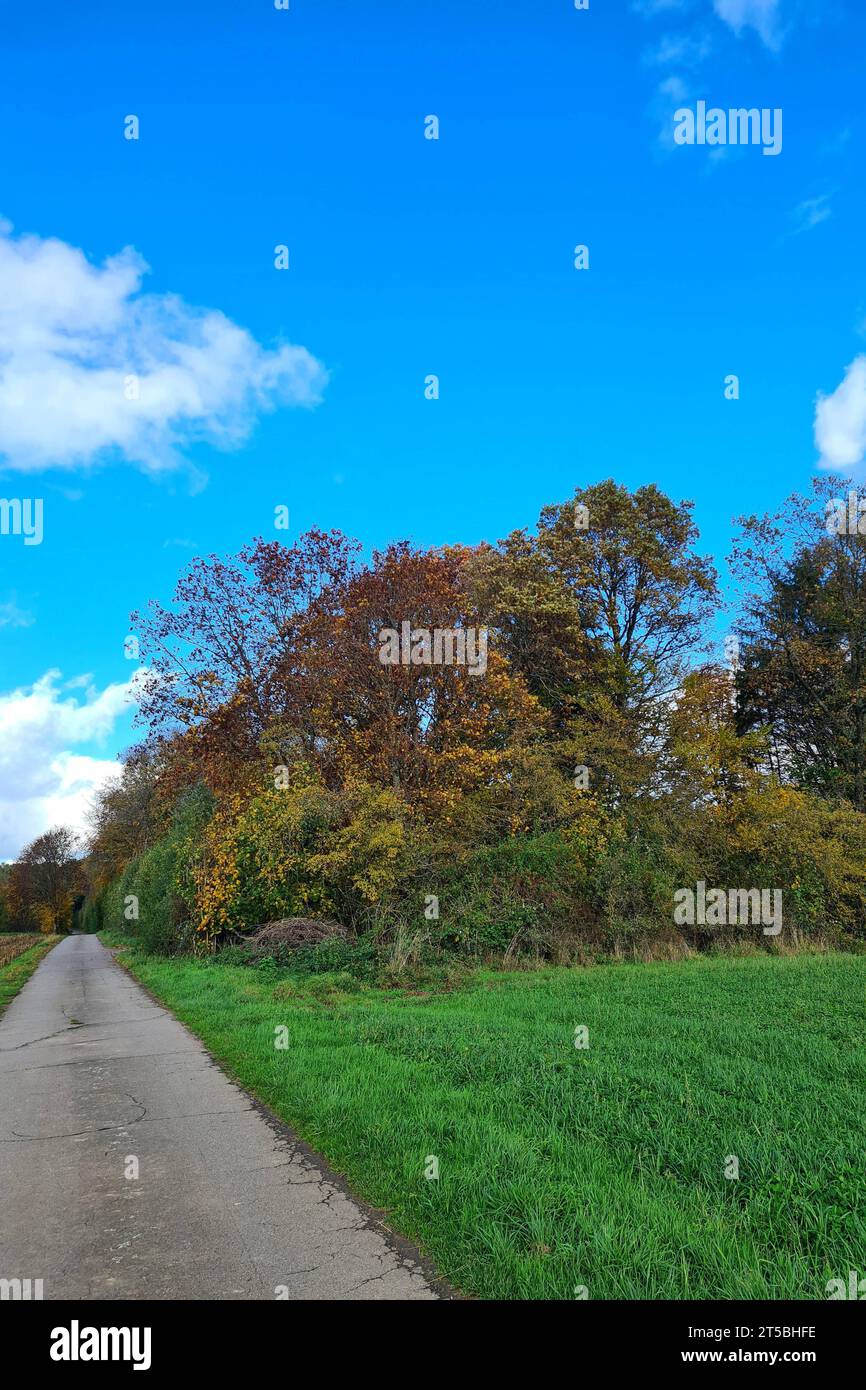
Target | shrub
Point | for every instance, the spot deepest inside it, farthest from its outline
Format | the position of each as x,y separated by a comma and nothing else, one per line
814,851
514,897
153,898
299,852
633,885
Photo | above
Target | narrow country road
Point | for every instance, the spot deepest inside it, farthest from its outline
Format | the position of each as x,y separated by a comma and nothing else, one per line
93,1074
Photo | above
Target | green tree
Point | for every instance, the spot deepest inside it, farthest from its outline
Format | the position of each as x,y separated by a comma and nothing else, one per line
802,670
602,610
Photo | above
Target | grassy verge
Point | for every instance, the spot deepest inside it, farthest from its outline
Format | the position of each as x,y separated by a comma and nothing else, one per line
19,960
563,1167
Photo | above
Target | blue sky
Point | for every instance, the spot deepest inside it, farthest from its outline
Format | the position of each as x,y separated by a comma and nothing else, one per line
408,257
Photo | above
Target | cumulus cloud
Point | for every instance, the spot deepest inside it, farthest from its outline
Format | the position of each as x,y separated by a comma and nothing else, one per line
840,420
764,16
92,368
48,769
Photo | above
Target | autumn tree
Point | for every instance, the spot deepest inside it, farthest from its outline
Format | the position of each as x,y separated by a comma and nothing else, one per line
127,816
430,730
228,660
46,879
541,626
708,760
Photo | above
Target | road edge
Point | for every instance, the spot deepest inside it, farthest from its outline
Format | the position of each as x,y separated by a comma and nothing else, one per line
409,1254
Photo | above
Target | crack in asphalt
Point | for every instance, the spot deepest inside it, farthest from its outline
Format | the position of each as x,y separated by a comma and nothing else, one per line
76,1133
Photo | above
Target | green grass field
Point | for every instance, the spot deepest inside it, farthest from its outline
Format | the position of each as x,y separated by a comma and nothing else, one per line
562,1167
20,956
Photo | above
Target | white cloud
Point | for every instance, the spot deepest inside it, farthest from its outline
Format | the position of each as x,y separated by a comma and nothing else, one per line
685,49
764,16
44,780
12,615
811,212
73,333
840,420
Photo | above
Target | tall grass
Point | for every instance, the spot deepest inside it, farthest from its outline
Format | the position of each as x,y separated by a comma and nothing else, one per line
560,1167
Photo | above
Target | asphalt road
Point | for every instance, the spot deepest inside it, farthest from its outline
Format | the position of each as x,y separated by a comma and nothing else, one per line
226,1205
